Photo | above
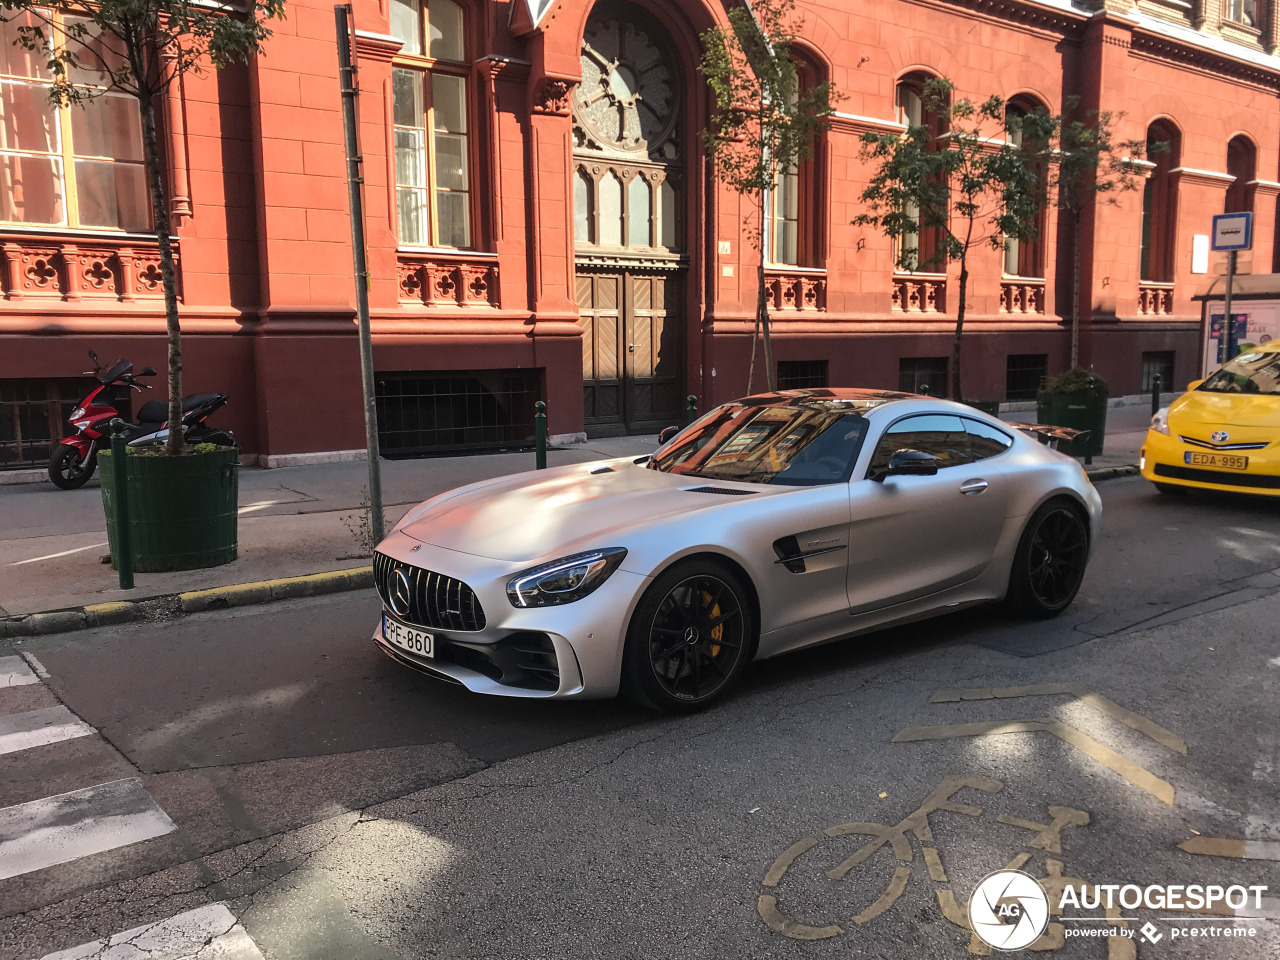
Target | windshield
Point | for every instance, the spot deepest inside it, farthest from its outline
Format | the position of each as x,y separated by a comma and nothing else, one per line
117,370
805,444
1252,372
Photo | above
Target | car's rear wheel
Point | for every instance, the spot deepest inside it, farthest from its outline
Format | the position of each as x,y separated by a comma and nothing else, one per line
689,637
1049,564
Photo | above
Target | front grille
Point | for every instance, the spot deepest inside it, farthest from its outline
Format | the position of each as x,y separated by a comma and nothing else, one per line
435,601
1208,444
1223,477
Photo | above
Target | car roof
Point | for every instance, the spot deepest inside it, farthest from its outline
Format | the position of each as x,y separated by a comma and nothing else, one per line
1269,346
860,400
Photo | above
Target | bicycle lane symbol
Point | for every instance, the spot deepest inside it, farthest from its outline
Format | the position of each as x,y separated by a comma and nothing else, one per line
1047,840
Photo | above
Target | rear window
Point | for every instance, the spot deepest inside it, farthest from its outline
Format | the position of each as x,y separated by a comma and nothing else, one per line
1253,372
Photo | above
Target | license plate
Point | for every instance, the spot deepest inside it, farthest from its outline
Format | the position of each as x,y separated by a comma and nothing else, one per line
1224,461
406,637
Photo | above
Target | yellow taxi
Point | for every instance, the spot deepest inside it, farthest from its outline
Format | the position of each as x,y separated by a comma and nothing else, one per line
1224,432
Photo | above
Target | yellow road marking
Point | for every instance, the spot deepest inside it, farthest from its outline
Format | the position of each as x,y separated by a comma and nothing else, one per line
1134,721
788,857
887,899
1049,835
1241,849
934,862
1139,776
767,907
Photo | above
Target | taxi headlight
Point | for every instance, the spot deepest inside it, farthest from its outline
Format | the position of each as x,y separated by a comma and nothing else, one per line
1160,422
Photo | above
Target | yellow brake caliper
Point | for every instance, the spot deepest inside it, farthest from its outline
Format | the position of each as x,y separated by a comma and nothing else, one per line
717,632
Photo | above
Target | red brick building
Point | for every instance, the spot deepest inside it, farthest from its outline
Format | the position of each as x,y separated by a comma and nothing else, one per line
542,222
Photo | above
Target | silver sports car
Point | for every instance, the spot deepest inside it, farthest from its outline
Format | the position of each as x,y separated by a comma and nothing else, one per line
772,523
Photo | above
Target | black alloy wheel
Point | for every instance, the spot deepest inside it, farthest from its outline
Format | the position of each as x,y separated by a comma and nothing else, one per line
68,470
689,639
1049,565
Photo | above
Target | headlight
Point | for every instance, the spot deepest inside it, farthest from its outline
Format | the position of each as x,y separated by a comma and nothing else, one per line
76,414
564,580
1160,422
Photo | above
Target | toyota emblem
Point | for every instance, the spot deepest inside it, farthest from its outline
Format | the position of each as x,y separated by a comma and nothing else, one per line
399,594
1219,436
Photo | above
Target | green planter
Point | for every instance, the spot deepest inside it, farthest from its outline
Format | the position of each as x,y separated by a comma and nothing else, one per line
1079,411
182,510
986,406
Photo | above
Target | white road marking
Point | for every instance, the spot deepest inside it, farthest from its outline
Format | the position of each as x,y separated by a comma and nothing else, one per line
35,665
14,672
72,825
260,505
206,933
22,731
55,556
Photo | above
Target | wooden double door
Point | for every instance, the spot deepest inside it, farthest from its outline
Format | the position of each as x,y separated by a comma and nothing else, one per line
632,356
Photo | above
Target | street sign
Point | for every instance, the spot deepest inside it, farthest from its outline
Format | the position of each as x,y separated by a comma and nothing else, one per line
1233,231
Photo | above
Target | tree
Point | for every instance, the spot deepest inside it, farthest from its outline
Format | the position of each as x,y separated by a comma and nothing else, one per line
763,124
141,48
1087,168
966,183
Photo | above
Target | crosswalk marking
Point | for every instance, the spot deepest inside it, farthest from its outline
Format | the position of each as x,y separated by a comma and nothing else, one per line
14,672
36,728
206,933
59,829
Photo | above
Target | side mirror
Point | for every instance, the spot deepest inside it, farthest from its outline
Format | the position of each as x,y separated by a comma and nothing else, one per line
1193,384
146,372
909,463
667,433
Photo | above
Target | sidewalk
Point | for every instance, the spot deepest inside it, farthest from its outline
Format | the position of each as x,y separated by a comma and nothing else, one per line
294,521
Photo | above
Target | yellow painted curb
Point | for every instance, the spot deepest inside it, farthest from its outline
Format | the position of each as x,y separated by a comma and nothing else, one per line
260,591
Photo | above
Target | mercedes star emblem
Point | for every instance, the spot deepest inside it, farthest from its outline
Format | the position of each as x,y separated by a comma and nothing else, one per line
399,593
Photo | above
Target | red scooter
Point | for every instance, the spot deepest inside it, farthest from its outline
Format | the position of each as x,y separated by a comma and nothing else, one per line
76,458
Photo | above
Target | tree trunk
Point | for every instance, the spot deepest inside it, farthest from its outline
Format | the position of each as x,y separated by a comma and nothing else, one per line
160,222
762,319
1075,291
955,393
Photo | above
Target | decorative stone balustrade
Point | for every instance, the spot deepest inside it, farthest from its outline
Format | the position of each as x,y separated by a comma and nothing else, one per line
1155,299
920,293
1022,296
81,268
445,280
796,289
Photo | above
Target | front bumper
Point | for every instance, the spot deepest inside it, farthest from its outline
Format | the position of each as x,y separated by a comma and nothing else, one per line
1164,461
574,649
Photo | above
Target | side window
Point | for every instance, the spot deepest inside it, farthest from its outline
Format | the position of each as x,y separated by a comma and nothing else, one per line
986,440
943,436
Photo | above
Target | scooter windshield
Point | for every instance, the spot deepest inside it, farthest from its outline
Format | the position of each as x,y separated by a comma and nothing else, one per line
116,371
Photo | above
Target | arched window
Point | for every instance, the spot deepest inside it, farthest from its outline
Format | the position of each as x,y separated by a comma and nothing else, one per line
433,156
1242,163
922,247
1160,203
1025,258
795,236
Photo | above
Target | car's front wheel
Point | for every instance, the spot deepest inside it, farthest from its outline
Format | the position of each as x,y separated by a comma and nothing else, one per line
689,638
1048,567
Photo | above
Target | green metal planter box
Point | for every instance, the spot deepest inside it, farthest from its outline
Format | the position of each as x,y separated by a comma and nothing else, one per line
1079,411
182,510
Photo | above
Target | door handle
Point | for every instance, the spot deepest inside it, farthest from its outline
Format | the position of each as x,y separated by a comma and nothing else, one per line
970,487
631,348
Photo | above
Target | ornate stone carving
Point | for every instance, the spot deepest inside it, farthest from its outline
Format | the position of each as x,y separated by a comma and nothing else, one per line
1022,296
915,293
552,96
73,269
795,290
1155,299
444,281
627,99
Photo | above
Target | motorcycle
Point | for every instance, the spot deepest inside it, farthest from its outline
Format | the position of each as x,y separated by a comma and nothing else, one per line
76,458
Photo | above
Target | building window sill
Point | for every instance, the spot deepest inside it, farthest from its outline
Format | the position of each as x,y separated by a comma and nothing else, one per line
920,292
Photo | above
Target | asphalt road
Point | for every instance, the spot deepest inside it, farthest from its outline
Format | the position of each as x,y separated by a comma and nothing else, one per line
335,805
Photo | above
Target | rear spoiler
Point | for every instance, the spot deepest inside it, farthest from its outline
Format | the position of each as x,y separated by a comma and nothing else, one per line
1053,436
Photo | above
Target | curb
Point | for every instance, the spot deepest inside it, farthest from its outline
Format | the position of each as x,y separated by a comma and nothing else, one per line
170,605
1112,473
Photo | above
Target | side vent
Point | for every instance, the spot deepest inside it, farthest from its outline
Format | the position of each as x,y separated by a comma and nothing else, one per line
599,470
788,551
722,491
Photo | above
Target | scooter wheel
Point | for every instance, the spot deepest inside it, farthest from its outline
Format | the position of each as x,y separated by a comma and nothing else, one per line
68,470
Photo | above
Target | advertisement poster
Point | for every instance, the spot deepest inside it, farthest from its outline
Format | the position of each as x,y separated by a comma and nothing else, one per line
1257,322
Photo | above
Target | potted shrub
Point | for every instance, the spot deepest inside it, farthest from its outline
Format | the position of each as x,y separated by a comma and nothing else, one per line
1076,398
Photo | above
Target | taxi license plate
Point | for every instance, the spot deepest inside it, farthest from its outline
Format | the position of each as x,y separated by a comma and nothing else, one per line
406,637
1224,461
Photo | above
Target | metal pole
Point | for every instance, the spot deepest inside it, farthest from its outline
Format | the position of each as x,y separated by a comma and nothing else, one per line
347,78
120,478
691,411
540,436
1226,309
1155,394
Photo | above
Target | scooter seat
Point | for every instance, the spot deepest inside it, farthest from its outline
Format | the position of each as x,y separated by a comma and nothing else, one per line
157,411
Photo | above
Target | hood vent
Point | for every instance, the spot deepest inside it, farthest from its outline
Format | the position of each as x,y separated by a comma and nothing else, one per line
723,491
599,470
